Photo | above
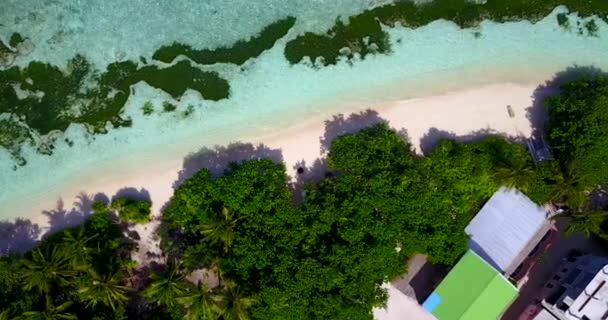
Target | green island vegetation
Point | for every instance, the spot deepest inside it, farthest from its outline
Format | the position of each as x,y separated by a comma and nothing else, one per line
363,34
240,247
577,130
578,127
130,210
41,98
238,53
78,273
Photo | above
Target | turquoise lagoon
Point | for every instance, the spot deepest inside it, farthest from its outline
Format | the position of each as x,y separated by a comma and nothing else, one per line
267,93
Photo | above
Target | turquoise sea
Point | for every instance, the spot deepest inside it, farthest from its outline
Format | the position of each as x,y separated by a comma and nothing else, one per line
267,93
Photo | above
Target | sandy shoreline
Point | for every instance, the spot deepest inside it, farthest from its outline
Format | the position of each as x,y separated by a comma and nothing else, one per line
460,112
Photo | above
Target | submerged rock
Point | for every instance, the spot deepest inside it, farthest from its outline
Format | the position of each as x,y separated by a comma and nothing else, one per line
18,46
25,47
120,55
7,59
15,39
7,56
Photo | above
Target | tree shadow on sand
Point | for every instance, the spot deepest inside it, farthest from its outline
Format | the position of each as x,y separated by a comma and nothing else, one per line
22,235
537,113
18,236
340,125
336,127
429,141
61,218
307,174
217,159
133,194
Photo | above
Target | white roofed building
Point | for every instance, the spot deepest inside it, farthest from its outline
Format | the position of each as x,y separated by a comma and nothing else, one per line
507,229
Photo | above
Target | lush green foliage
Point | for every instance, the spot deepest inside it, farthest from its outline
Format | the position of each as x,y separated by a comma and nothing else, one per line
238,53
327,258
132,210
73,274
363,33
578,128
587,223
166,288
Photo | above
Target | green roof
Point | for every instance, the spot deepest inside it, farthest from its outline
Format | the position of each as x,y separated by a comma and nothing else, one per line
472,290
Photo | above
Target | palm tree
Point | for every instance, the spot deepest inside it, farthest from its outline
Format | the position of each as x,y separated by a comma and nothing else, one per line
568,189
77,244
5,315
51,312
234,304
518,174
165,289
586,223
43,271
103,289
201,303
222,230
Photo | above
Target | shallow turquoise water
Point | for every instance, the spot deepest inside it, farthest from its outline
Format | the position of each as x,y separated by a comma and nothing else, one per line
267,93
105,30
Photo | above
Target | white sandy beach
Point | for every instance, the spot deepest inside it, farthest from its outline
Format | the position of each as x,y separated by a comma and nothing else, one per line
461,113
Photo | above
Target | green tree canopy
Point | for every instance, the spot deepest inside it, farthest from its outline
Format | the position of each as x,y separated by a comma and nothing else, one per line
103,289
578,127
586,223
71,274
131,210
328,257
166,288
200,303
47,268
